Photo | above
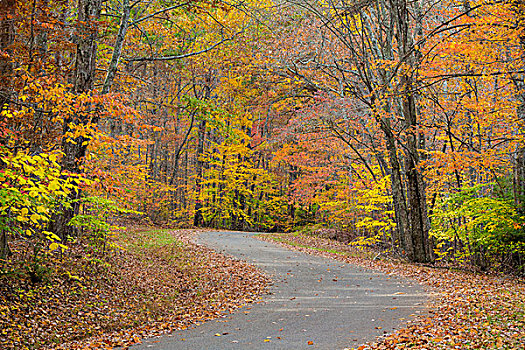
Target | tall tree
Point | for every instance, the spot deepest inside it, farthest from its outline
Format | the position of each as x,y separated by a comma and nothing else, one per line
375,60
7,13
6,40
518,7
74,146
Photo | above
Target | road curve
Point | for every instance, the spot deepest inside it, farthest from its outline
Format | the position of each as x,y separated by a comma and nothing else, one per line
315,303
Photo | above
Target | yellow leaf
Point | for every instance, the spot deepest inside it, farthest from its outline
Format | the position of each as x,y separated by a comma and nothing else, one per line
53,185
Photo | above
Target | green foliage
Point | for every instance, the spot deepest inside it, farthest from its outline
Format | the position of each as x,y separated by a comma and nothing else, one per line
96,222
486,224
31,187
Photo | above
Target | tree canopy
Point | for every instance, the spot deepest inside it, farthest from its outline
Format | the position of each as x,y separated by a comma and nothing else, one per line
400,123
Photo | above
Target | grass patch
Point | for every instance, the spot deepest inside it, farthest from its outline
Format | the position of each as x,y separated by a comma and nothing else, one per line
147,240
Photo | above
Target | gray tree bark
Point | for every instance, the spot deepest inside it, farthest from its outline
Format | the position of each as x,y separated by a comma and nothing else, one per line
198,219
420,247
519,81
117,49
6,39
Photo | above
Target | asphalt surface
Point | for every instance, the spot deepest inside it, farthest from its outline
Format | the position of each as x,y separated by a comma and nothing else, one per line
315,303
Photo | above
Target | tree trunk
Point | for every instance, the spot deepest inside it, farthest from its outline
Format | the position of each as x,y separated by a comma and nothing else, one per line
398,192
4,244
519,81
198,219
6,40
4,248
417,208
75,149
416,235
117,49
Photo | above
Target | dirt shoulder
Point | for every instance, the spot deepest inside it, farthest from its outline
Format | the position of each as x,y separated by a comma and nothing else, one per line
149,282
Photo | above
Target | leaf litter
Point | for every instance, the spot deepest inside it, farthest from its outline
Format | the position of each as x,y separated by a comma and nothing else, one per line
152,288
159,282
467,310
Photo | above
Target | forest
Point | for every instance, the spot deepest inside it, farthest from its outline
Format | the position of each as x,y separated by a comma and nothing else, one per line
395,126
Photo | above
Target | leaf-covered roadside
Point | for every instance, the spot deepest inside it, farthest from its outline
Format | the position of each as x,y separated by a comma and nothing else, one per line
159,282
467,310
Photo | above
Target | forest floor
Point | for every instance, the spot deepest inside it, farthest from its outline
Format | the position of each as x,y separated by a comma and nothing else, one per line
158,281
468,310
148,282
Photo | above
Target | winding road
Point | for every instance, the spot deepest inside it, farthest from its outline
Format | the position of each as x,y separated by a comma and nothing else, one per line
315,303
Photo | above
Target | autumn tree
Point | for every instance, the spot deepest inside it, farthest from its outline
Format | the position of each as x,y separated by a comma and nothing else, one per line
76,132
6,40
375,61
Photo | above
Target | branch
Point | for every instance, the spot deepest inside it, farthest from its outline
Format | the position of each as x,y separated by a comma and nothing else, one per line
137,21
464,75
178,57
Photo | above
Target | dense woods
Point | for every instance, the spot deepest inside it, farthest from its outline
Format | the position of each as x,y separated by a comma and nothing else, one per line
394,124
394,128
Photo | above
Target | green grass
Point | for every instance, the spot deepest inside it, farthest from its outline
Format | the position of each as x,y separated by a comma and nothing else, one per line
148,240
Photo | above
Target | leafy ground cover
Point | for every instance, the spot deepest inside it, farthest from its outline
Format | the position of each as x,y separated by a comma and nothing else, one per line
152,281
467,310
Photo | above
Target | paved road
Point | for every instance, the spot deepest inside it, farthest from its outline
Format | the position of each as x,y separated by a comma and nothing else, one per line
328,303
